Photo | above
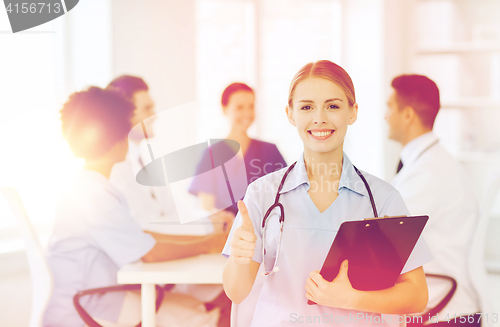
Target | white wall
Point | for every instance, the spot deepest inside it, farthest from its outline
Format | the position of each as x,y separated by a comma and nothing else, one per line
87,52
156,41
396,57
362,57
291,34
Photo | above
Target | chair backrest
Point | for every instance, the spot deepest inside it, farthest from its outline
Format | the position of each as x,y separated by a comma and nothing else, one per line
41,277
477,263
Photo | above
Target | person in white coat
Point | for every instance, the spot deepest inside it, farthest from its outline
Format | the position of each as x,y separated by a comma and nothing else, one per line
432,182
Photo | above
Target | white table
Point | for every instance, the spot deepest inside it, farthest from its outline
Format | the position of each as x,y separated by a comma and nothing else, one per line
202,269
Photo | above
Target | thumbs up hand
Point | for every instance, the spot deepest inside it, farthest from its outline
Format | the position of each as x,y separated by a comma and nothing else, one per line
247,222
243,241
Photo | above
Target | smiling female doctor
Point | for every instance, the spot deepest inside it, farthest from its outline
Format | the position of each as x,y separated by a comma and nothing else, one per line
318,193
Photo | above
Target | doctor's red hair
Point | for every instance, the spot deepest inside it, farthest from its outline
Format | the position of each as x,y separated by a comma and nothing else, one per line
327,70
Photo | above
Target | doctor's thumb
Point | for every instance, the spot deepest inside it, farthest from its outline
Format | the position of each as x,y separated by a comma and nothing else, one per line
344,267
245,218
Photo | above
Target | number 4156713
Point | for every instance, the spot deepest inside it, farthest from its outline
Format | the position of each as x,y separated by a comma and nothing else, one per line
34,7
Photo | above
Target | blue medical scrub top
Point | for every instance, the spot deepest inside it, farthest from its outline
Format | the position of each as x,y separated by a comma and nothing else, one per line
94,235
280,298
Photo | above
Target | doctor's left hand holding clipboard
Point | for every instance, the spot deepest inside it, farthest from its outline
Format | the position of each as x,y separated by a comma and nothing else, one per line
378,249
338,293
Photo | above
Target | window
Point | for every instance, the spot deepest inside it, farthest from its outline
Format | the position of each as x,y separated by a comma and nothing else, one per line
40,68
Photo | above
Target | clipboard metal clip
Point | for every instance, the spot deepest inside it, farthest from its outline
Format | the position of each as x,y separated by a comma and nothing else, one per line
374,218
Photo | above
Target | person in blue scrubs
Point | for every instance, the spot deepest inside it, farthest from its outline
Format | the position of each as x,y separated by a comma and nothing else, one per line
94,233
321,192
259,157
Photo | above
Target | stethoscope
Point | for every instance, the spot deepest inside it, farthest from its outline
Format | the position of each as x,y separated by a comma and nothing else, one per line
277,204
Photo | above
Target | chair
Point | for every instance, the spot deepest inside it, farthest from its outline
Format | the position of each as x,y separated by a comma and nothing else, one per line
492,192
477,261
41,277
118,288
431,312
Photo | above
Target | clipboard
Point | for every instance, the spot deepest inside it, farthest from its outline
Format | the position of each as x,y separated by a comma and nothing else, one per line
377,250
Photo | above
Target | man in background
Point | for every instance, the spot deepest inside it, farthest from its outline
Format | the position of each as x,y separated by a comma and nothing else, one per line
147,203
434,183
153,207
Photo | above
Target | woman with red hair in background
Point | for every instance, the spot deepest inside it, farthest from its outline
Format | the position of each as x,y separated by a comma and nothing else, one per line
259,157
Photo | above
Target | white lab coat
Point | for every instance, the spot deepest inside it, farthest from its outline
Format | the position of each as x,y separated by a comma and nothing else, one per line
433,183
151,207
